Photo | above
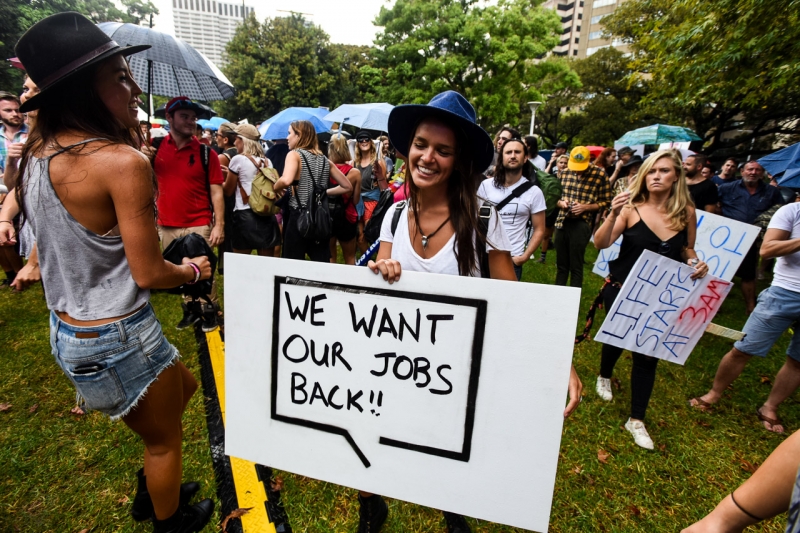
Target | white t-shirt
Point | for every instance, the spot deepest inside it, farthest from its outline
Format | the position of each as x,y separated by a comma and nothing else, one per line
539,162
444,262
517,212
787,268
246,170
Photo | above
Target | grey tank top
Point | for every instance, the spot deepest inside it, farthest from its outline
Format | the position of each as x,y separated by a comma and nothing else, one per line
84,274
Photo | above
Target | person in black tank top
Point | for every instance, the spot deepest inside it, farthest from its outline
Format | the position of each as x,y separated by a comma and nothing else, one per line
655,213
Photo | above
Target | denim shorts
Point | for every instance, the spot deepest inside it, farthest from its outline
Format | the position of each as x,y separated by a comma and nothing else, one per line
777,309
112,365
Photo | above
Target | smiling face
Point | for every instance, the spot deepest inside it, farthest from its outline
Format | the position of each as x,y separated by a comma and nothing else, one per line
432,154
661,176
118,91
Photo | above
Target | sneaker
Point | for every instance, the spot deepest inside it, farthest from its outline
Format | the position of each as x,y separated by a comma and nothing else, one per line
456,523
142,507
208,321
372,513
639,432
189,317
603,388
187,519
542,259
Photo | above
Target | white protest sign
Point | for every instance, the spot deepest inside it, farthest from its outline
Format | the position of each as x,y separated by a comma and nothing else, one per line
423,390
721,242
660,310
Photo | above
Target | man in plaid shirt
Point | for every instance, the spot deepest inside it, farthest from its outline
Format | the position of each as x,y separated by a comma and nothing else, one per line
12,126
585,192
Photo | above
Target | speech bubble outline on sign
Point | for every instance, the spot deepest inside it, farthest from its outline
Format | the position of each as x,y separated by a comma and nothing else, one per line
290,349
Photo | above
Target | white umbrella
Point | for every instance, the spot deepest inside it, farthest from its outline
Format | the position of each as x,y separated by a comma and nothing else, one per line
364,116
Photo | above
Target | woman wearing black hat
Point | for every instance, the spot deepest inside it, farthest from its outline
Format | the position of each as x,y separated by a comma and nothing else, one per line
87,192
439,230
373,179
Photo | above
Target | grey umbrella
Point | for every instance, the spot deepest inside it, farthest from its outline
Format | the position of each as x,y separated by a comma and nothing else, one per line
171,67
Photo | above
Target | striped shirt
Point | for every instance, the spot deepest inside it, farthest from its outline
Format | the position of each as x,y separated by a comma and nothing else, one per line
588,187
319,172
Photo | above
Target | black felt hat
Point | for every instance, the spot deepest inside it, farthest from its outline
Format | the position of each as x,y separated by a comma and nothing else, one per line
58,47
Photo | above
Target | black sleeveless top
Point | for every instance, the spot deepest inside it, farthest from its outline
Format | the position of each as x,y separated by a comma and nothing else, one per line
638,238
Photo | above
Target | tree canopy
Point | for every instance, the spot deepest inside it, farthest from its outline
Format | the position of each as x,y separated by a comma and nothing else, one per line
287,61
729,68
488,53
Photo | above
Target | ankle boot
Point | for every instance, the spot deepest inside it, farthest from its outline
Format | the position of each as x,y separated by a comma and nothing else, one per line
372,513
142,508
187,519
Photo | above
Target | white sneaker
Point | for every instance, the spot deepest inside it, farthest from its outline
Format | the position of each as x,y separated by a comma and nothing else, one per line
639,432
603,388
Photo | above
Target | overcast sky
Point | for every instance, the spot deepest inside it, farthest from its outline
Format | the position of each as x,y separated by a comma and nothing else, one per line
346,21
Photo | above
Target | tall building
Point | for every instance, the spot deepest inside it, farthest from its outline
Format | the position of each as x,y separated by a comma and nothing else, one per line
582,26
208,25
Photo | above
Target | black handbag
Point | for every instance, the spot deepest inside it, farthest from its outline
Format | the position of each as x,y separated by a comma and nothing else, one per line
372,229
191,245
314,219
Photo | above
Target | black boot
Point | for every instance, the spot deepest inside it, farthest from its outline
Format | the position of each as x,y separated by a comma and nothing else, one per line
191,314
142,508
456,523
372,513
187,519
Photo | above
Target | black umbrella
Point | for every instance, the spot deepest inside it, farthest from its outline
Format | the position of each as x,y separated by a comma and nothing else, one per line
171,67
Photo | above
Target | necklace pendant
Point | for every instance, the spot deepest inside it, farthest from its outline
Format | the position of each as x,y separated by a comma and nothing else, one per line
424,242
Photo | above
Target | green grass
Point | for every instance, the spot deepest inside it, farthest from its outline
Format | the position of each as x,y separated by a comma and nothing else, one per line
62,473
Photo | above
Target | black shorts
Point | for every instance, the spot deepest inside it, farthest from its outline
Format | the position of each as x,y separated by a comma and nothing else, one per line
343,230
550,220
254,232
747,270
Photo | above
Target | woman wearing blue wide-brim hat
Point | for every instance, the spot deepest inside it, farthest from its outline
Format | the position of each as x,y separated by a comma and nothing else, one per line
442,228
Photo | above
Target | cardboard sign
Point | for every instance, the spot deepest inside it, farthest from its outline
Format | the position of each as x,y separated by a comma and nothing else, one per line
721,242
416,390
660,311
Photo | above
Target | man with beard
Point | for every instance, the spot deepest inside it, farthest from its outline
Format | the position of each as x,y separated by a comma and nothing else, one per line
517,200
744,200
12,129
703,192
505,133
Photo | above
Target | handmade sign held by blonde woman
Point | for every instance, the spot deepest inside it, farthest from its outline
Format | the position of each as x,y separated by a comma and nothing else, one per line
721,242
421,390
660,310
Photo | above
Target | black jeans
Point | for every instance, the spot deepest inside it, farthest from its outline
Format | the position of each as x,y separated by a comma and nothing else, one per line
571,240
643,372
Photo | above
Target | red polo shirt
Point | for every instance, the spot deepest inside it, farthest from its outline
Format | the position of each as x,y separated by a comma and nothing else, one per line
183,200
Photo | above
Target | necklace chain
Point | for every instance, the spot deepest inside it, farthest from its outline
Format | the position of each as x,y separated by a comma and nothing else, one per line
425,238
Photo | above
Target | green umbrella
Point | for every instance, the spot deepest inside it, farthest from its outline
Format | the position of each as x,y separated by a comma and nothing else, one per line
657,134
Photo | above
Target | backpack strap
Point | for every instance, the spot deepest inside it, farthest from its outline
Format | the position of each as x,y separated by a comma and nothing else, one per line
245,196
398,210
516,193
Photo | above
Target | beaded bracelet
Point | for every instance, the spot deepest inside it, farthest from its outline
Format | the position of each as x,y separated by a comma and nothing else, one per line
196,274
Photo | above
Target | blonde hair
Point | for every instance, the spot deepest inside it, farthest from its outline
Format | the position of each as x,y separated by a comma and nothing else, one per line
562,156
251,147
338,152
373,153
679,198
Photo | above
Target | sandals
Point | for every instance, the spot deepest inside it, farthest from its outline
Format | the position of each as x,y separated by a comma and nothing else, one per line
771,421
701,405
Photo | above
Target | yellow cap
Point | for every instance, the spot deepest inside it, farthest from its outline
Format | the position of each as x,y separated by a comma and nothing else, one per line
578,159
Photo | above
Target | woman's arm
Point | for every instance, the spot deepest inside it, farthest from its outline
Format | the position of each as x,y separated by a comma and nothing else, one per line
10,209
614,224
501,266
354,176
538,222
132,200
689,254
231,182
344,186
379,171
291,172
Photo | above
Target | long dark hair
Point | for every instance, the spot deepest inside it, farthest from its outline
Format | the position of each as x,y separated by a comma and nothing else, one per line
462,200
79,109
500,170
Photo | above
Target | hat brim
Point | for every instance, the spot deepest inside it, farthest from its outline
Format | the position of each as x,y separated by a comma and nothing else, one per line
49,93
632,162
404,119
577,167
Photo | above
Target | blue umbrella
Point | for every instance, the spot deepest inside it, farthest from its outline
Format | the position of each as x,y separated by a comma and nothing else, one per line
657,134
217,122
784,165
277,127
364,116
206,125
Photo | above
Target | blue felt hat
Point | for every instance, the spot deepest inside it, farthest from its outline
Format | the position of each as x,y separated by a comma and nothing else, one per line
450,107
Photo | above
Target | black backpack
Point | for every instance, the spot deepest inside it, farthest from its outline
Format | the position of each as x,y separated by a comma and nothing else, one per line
372,229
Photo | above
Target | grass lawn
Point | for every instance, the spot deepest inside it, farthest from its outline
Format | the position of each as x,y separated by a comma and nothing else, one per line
68,473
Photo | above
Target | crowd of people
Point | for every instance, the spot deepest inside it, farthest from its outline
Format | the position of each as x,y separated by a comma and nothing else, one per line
466,205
